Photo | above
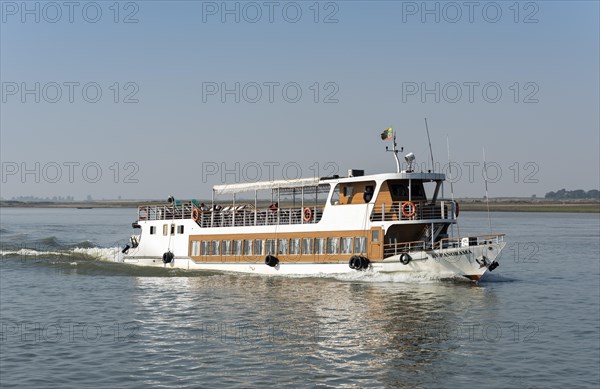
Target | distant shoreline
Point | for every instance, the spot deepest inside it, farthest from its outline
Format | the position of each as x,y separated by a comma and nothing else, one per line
496,205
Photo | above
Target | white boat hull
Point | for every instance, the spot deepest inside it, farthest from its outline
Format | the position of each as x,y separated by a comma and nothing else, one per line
471,262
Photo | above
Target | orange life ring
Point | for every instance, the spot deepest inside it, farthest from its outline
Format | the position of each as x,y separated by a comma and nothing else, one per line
307,214
411,207
195,214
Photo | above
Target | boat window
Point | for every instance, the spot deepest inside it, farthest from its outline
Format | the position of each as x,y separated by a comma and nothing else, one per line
216,247
270,247
205,248
226,247
346,245
418,192
248,247
295,246
360,245
172,229
399,190
335,197
429,189
307,246
165,229
258,247
282,246
195,248
375,236
320,246
237,247
353,192
180,229
152,230
333,245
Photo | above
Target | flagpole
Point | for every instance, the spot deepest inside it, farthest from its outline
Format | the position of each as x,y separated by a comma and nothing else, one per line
385,136
396,154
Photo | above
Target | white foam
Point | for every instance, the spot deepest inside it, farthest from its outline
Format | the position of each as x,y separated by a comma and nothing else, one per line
104,254
412,278
376,277
32,253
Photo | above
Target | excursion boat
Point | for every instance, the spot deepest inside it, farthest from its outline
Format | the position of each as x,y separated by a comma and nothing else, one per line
388,223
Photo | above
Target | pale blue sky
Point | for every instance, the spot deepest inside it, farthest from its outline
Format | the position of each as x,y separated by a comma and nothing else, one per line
376,51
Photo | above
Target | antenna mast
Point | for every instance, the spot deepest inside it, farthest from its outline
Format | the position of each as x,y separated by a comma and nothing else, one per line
395,151
451,184
430,150
487,198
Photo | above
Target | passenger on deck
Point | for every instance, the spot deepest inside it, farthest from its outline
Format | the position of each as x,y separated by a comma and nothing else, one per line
368,194
274,206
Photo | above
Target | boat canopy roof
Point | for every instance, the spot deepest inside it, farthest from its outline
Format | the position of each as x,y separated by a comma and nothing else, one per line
319,184
266,185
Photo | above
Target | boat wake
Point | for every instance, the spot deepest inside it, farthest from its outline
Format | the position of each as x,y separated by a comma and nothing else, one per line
90,261
90,253
495,277
374,277
409,278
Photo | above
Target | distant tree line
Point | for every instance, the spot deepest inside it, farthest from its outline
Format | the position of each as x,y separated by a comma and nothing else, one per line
35,198
573,194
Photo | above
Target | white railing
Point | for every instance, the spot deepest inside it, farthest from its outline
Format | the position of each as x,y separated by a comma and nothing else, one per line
442,210
391,249
257,217
166,212
231,216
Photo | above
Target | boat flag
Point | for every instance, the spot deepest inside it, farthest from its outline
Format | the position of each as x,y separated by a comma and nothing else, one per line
387,134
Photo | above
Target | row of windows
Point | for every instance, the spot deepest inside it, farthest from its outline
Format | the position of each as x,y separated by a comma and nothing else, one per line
166,229
294,246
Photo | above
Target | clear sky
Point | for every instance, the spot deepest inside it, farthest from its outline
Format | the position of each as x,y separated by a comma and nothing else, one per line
144,99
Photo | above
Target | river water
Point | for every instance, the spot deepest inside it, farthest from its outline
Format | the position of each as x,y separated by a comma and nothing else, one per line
70,318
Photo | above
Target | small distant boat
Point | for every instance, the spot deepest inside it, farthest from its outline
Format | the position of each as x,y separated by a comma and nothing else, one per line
330,225
84,207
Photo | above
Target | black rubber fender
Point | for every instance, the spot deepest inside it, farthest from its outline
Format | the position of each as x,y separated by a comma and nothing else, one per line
364,262
271,261
405,258
359,263
168,257
353,262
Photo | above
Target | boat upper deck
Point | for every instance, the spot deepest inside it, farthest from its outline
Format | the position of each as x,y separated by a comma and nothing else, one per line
388,197
246,215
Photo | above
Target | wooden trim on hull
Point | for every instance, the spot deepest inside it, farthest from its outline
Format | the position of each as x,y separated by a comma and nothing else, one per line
313,257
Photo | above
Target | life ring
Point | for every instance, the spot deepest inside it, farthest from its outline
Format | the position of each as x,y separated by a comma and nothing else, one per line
195,214
405,259
307,214
143,215
411,207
